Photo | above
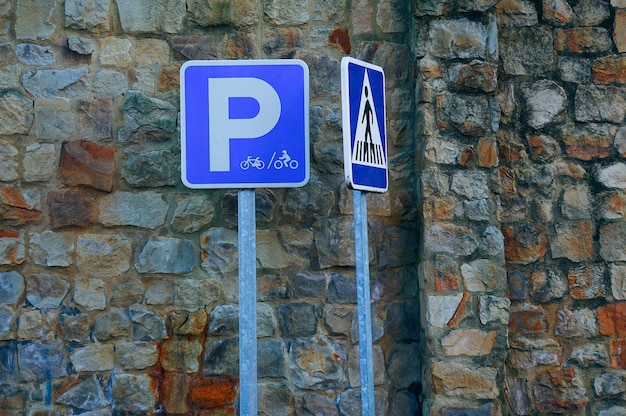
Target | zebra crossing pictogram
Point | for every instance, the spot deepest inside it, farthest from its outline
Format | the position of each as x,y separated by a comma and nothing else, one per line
368,148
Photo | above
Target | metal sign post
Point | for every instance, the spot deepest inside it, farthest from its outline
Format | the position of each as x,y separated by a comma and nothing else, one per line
363,302
365,164
245,124
247,303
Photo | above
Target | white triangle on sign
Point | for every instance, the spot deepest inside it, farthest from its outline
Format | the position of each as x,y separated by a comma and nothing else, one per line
368,145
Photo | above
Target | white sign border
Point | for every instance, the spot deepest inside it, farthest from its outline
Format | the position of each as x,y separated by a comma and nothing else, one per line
345,115
249,62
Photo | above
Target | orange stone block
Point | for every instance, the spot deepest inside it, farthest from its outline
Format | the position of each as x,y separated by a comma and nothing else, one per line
213,392
487,152
618,353
87,163
341,37
609,70
612,319
15,208
525,244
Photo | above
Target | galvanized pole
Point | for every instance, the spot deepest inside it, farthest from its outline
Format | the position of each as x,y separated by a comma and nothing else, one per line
361,244
247,304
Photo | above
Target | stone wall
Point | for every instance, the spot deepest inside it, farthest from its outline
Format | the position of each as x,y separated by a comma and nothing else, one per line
118,286
497,255
521,119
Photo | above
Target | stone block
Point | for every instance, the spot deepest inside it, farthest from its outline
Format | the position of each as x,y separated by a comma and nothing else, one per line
286,12
527,353
86,393
50,249
90,293
181,355
224,321
35,55
166,255
332,249
19,206
619,31
470,342
442,309
526,51
71,207
147,325
608,384
575,69
528,319
573,323
7,325
317,363
39,162
45,291
391,16
587,282
91,358
553,385
349,402
617,351
103,254
271,359
609,70
147,118
133,393
38,325
297,320
91,15
87,163
618,281
590,355
109,83
600,103
447,273
147,16
213,392
56,83
612,176
401,321
221,357
34,19
39,361
16,113
547,285
220,250
451,378
525,243
469,114
611,319
145,209
493,309
151,169
112,324
612,242
308,284
557,12
481,275
188,323
217,13
94,116
12,247
338,319
545,101
197,293
582,40
460,38
174,392
573,240
136,355
452,239
516,13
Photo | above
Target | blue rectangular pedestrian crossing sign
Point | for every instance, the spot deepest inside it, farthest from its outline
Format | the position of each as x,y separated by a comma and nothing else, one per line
245,124
364,128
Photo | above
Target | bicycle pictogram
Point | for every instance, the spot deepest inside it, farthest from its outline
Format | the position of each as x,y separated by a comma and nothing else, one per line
255,162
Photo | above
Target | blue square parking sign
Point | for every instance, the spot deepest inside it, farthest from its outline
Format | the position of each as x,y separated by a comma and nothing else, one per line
245,124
